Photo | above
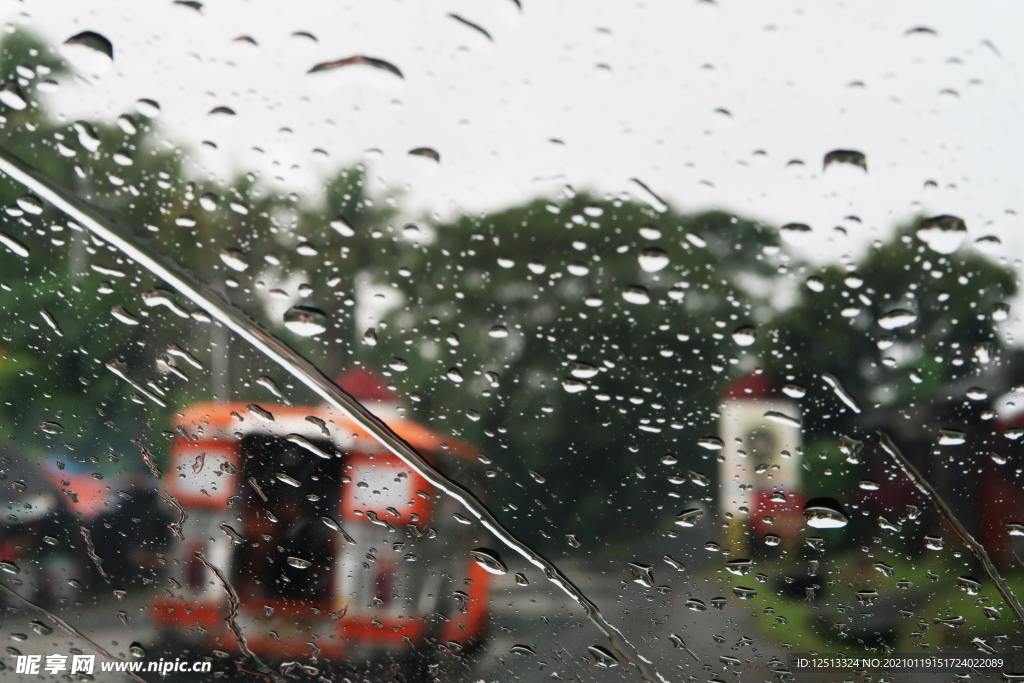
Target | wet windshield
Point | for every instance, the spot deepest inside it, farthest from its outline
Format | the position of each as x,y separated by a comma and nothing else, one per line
510,341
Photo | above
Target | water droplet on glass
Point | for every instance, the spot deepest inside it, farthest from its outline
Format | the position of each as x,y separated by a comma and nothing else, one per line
305,320
426,153
951,437
30,204
12,97
13,245
689,517
969,585
602,657
489,561
796,234
573,386
299,563
739,566
341,226
234,259
896,318
824,513
652,259
782,419
943,234
846,156
357,60
89,51
635,294
710,443
744,336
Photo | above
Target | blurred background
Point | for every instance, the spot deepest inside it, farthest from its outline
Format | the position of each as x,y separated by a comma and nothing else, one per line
685,294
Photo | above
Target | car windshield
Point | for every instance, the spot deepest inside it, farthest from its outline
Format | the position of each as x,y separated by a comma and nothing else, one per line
510,341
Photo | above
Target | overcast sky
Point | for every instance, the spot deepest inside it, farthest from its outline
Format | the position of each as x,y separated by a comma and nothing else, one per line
632,89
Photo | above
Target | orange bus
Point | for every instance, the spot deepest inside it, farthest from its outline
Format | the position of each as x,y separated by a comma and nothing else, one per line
297,530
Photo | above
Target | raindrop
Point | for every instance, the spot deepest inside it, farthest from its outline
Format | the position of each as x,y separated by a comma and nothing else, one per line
288,479
39,628
846,156
642,574
354,60
647,195
234,259
341,225
652,259
583,371
148,108
794,391
968,585
90,50
476,27
744,593
699,479
782,419
489,561
14,245
744,336
269,385
867,598
943,234
12,97
635,294
573,386
30,204
896,318
50,427
739,566
602,657
824,513
87,136
689,517
305,320
951,437
303,442
841,392
796,234
426,153
122,315
299,563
